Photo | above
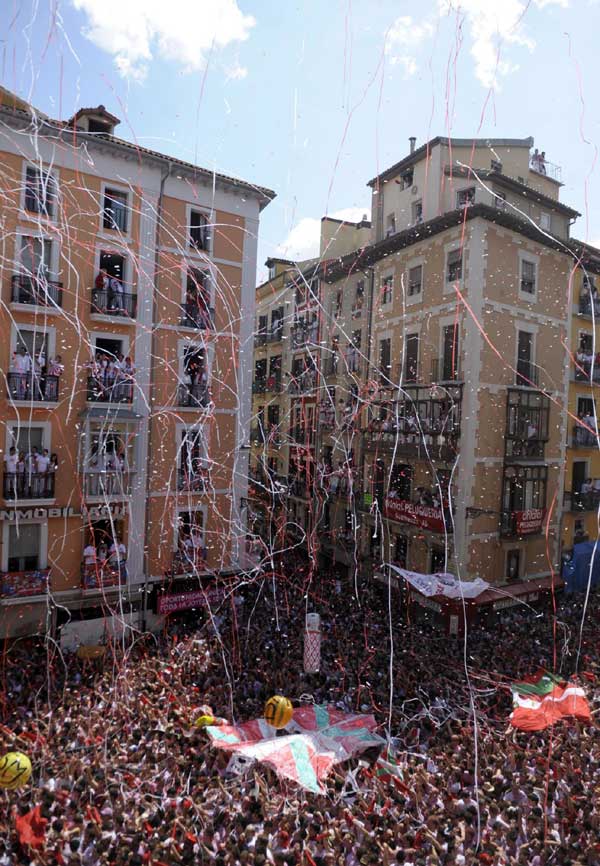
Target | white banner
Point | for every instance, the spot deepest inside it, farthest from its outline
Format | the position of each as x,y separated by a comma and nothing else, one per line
442,584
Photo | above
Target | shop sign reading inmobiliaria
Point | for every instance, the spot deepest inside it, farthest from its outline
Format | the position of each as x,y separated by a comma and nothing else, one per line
93,512
173,602
424,516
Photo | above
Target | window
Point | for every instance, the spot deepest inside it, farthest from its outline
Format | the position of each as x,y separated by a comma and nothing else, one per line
359,298
115,210
263,324
24,543
25,439
524,488
40,192
500,200
199,237
385,355
525,369
387,288
36,257
390,225
437,560
411,358
545,221
454,266
415,279
338,301
513,564
450,353
193,460
417,211
465,197
277,322
401,551
528,277
401,481
196,308
272,272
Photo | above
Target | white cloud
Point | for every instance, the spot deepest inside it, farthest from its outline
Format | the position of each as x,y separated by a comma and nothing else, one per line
405,33
303,240
493,26
137,31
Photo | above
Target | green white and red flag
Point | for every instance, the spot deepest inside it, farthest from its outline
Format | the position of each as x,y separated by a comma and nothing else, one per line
543,699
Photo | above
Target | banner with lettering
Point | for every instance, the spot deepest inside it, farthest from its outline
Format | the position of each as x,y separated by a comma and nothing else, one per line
424,516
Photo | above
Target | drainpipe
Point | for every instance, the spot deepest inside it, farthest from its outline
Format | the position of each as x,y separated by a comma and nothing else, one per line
155,281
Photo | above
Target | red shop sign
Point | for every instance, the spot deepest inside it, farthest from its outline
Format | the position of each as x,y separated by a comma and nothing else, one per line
530,521
423,516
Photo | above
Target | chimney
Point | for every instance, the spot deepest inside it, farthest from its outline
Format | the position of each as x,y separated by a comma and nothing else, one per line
413,141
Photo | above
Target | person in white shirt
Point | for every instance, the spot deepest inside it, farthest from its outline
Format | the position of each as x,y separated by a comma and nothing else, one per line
10,471
89,555
39,481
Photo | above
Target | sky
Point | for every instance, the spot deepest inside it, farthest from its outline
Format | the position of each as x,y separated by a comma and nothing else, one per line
313,98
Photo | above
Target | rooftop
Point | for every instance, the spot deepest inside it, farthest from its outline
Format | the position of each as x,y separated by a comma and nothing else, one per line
11,104
426,148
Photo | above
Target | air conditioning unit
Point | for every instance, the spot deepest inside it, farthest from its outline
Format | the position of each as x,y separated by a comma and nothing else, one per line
415,189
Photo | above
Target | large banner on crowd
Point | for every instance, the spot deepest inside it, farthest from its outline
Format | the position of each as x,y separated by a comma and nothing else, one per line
319,738
424,516
442,584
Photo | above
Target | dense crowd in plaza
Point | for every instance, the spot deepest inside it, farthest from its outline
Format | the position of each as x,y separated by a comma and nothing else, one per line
122,776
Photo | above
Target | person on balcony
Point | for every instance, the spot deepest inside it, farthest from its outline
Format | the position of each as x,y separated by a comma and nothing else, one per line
10,471
56,366
115,288
40,481
117,555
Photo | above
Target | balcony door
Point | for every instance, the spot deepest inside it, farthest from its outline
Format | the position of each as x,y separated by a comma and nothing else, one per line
36,257
524,357
450,353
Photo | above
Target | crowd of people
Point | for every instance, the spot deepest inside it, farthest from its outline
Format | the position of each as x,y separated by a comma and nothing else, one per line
29,473
123,777
33,377
112,377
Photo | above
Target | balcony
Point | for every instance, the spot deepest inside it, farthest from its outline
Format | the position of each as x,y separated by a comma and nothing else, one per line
589,307
298,488
519,524
578,501
192,480
527,417
304,334
103,391
331,365
260,339
257,434
275,335
107,303
259,386
585,371
445,370
273,385
527,375
192,560
302,384
545,168
193,396
20,584
33,388
103,575
26,485
36,291
583,438
267,487
438,447
112,483
196,314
